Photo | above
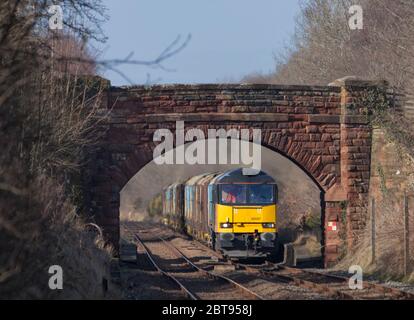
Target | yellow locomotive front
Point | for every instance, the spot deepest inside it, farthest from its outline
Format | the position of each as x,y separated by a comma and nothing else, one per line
243,214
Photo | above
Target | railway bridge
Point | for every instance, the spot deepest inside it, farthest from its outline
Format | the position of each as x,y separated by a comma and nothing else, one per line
323,129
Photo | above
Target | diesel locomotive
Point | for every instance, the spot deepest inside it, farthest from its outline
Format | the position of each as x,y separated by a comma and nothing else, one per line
232,212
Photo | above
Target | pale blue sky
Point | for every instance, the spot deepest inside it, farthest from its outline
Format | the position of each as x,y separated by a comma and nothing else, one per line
230,38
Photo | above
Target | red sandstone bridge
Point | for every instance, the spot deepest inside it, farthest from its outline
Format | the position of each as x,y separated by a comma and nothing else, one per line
323,129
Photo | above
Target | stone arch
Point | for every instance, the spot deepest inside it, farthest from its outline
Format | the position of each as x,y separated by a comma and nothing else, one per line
321,129
290,176
125,169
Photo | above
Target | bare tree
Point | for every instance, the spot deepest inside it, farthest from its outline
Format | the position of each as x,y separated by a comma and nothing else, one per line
325,48
48,117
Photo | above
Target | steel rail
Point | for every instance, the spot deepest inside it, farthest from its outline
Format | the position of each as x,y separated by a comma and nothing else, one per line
184,289
294,277
369,285
213,275
326,287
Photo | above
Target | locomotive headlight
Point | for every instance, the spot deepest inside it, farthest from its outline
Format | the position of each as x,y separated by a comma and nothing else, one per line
268,225
225,225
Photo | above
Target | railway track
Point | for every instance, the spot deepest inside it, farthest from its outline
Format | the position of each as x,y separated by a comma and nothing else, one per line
332,285
194,282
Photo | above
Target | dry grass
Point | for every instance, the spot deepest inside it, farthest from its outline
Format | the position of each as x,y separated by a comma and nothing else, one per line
389,235
40,229
46,122
308,245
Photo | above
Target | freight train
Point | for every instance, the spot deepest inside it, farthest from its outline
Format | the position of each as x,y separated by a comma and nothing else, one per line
232,212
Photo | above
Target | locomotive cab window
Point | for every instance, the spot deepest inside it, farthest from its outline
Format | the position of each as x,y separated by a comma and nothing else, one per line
233,193
261,194
248,194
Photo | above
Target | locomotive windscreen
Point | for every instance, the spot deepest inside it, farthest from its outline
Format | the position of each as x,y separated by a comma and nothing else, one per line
247,194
